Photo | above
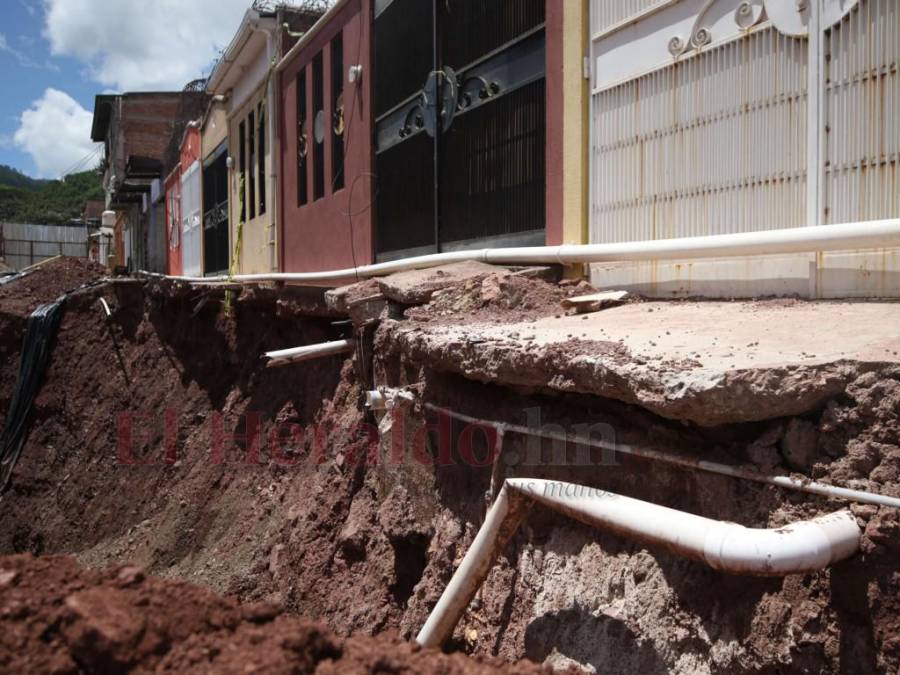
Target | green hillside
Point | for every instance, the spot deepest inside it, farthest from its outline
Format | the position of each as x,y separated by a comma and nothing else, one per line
12,178
48,202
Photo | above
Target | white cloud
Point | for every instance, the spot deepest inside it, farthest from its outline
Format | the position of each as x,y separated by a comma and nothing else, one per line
136,45
56,132
20,56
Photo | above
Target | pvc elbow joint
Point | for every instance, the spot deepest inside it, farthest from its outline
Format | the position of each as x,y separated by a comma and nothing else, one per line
798,548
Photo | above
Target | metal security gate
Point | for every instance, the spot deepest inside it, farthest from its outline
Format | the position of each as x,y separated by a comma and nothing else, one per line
720,116
215,216
460,117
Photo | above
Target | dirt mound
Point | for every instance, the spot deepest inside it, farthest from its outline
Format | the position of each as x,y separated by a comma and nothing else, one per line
497,297
56,617
20,297
46,283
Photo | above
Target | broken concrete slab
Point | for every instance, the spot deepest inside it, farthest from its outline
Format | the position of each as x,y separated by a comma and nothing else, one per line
594,302
415,287
339,299
705,362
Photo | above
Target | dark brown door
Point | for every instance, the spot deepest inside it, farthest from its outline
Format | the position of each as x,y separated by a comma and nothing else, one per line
460,116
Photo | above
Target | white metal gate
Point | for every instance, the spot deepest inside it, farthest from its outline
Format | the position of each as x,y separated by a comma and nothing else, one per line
718,116
190,219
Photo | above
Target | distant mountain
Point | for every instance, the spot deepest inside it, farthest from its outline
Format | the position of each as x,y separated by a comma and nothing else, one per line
46,202
14,178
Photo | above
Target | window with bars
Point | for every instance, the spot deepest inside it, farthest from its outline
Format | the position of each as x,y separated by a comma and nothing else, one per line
302,139
242,168
261,156
320,130
319,134
251,182
252,163
337,126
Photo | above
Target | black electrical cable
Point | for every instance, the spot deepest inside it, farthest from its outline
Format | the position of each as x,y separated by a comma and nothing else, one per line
40,331
36,347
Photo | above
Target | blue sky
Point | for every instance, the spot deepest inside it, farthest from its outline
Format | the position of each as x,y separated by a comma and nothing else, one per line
27,69
56,55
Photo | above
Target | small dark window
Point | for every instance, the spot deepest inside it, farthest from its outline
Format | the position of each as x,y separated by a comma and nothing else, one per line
242,169
302,139
252,168
261,158
337,125
319,129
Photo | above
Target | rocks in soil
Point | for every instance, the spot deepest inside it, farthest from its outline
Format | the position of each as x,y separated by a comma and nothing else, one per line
368,549
801,439
57,617
416,287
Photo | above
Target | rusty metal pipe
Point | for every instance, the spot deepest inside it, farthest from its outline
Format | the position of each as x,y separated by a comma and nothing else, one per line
801,547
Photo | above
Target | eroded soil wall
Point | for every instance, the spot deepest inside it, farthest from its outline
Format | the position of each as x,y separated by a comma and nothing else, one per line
335,522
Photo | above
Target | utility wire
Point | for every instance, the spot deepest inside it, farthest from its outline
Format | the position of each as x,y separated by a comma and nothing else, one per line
81,162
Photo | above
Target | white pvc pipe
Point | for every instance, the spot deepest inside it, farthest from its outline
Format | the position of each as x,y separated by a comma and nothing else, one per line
499,525
847,236
786,482
283,357
798,548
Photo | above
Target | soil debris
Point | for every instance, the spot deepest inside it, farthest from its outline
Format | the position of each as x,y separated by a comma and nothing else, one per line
497,297
46,283
308,523
58,617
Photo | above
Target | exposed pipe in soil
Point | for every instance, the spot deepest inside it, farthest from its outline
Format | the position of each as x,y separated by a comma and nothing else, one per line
805,546
786,482
283,357
846,236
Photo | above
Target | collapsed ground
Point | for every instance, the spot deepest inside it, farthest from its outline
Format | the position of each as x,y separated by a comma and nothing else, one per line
368,547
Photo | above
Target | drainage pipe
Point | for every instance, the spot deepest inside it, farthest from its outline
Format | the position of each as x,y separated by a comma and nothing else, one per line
283,357
787,482
798,548
847,236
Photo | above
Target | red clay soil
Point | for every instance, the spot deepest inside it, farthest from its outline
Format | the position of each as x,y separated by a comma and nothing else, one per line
46,283
20,297
368,549
57,617
498,297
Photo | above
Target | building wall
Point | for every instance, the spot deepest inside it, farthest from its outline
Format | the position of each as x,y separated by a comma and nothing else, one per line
214,130
140,125
334,231
191,219
213,134
258,240
567,122
317,235
190,146
119,259
698,142
157,246
173,222
191,222
148,121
